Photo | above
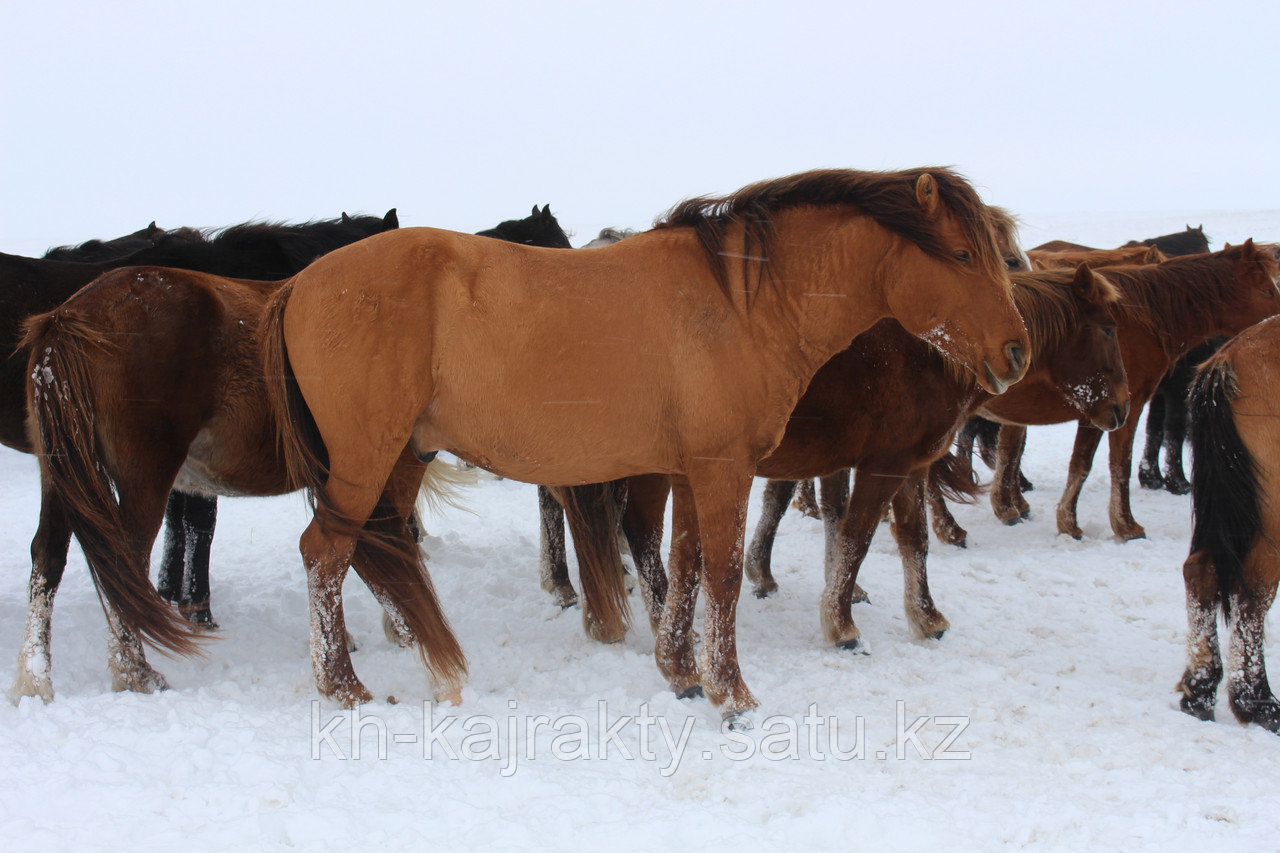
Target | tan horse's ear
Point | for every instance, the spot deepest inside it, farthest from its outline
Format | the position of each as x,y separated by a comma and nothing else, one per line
1153,256
927,193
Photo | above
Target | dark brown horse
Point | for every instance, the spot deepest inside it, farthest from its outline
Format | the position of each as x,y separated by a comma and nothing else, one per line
1234,564
679,351
149,379
253,250
888,406
1166,310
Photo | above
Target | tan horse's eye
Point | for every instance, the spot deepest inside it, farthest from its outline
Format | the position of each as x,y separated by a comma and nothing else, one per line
963,256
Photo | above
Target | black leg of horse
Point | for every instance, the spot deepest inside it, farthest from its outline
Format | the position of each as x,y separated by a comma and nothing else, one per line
200,516
169,582
553,562
1175,425
1149,476
759,561
48,559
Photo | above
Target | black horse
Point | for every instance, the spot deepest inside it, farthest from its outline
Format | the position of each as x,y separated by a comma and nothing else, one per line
1167,411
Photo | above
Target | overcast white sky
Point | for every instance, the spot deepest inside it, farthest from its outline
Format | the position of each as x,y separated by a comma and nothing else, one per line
463,114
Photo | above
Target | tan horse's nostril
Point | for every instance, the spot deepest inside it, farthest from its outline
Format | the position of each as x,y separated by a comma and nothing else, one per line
1013,352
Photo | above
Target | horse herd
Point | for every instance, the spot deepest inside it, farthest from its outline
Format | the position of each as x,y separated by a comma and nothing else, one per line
799,328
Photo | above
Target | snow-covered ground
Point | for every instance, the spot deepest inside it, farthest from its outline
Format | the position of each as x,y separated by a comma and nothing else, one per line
1046,716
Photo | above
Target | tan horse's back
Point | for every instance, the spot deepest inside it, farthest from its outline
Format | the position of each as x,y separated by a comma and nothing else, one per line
507,346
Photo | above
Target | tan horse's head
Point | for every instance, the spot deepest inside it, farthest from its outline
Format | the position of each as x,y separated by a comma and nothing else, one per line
953,290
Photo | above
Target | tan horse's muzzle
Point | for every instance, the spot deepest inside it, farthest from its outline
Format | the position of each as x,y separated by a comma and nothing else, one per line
1016,361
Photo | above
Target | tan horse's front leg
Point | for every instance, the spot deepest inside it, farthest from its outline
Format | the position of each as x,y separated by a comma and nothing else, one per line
1120,460
721,499
673,647
1087,438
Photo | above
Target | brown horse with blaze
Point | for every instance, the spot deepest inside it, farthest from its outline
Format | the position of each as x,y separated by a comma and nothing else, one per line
679,351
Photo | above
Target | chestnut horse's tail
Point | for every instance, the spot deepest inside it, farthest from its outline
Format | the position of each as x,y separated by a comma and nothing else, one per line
1225,507
593,512
62,410
386,556
954,478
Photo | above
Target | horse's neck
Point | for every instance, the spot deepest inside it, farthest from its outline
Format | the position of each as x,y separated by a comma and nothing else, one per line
1195,327
826,286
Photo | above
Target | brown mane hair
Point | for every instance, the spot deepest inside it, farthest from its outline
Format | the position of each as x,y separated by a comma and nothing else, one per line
887,197
1173,295
1050,308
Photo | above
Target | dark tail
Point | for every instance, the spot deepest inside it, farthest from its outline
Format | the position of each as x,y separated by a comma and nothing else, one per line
61,406
955,479
386,556
593,512
1226,514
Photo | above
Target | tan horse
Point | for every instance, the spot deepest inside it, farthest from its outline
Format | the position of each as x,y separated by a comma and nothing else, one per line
1234,564
681,351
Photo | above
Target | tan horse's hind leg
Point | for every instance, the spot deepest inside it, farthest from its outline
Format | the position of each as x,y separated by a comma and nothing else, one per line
1199,684
433,637
328,545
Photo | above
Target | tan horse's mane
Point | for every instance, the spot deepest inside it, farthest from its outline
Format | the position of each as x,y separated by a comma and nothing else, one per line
1167,298
887,197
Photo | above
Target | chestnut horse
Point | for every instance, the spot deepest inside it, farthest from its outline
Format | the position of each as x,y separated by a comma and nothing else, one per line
1043,260
1234,564
1166,310
888,406
160,387
679,351
253,250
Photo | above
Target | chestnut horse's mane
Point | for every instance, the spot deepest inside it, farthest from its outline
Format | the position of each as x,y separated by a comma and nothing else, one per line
1168,298
887,197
